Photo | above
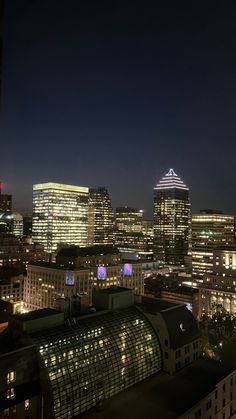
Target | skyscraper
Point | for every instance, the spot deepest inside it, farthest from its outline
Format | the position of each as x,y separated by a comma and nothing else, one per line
60,215
129,234
5,200
100,217
171,219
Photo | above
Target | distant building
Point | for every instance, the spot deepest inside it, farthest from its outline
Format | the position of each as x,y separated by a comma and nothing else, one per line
27,226
11,285
78,271
128,232
147,230
11,222
171,220
100,217
210,228
15,253
60,215
5,199
183,295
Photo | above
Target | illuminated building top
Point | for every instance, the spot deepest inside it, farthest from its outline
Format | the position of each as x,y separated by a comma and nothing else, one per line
170,181
60,186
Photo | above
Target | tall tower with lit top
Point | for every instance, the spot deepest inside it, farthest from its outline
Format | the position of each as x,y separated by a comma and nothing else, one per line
171,219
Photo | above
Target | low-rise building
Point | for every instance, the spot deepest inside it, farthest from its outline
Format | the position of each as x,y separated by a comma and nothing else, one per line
56,368
11,285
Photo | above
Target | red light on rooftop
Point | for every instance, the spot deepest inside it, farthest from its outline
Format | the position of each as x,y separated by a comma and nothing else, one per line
2,186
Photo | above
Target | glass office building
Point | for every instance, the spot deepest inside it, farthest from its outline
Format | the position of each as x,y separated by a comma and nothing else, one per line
171,219
100,217
93,358
60,215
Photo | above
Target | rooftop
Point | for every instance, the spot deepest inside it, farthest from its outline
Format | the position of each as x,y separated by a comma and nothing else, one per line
52,265
76,251
170,181
163,395
36,314
114,290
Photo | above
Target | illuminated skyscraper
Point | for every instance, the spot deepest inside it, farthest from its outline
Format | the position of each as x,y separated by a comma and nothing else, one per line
171,219
210,228
100,217
129,234
60,215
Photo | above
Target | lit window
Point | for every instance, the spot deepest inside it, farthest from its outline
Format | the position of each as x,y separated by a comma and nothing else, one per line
11,377
27,404
10,393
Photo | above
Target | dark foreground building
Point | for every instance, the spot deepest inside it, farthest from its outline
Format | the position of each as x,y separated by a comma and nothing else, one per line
56,368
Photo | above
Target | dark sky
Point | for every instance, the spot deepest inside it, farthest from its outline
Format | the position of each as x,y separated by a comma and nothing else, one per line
114,93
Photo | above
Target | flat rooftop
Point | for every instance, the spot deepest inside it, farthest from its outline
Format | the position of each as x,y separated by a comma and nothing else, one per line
156,305
36,314
113,290
162,395
61,267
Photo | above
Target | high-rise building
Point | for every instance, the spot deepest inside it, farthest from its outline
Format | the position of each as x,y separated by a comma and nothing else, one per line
129,219
60,215
171,219
219,286
147,229
210,228
11,222
100,217
5,200
128,232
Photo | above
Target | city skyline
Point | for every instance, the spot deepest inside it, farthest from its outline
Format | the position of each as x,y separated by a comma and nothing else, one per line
147,212
114,95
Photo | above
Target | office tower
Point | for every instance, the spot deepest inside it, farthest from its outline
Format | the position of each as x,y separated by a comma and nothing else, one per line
100,217
27,225
128,229
11,222
171,219
129,219
210,228
147,229
60,215
5,200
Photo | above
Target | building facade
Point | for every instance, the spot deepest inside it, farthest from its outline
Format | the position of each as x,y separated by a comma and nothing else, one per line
219,286
77,272
129,230
60,215
171,220
11,286
11,222
100,217
16,253
210,228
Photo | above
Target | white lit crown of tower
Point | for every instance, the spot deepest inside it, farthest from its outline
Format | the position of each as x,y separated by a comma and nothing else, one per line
171,180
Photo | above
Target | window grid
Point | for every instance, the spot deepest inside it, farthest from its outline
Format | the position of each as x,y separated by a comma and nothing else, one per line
94,358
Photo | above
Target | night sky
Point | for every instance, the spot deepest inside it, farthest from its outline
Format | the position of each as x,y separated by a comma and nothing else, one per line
115,93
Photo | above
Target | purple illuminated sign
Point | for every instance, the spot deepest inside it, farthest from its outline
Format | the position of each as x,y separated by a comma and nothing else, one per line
102,273
70,278
128,268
